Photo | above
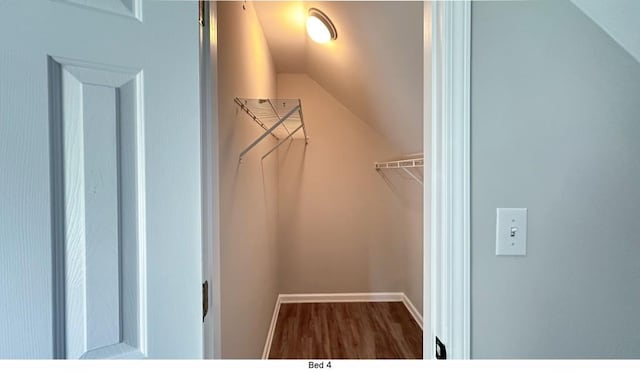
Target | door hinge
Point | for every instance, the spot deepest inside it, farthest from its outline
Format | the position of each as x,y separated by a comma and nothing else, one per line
441,350
205,299
201,12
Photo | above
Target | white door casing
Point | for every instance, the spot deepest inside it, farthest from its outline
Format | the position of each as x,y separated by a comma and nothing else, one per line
451,157
212,331
100,199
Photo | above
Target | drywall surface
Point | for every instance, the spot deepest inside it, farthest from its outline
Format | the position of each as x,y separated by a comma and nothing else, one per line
420,248
411,200
248,190
619,18
374,67
554,127
343,227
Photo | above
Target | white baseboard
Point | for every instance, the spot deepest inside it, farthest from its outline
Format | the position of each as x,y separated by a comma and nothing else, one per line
340,297
412,309
272,329
334,298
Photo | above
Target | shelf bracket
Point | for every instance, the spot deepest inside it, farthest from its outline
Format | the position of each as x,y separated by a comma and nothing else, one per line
283,140
261,110
404,165
412,175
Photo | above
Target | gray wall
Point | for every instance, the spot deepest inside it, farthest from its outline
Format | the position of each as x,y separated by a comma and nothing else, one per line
555,128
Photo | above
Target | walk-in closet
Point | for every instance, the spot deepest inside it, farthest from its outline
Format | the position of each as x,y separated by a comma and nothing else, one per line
322,179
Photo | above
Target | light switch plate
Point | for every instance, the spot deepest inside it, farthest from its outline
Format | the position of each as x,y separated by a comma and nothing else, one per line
511,231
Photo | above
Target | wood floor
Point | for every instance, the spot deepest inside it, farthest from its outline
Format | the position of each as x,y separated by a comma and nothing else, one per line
361,330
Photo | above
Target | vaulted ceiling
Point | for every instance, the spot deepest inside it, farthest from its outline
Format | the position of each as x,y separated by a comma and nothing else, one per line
374,68
619,18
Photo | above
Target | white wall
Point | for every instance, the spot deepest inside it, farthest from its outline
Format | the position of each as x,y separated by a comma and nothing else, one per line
342,226
374,68
554,128
248,190
410,196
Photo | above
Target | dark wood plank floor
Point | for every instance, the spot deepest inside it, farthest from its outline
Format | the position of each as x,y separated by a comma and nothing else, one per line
361,330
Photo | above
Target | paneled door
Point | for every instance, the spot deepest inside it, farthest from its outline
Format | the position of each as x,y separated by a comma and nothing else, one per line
100,200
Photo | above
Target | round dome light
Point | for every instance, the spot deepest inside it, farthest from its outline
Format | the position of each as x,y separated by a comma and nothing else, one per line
320,28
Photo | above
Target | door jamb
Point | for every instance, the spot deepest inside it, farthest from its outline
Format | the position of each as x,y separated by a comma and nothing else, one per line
428,93
450,172
449,132
212,334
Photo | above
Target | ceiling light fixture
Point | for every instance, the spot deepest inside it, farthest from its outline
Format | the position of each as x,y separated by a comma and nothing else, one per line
320,28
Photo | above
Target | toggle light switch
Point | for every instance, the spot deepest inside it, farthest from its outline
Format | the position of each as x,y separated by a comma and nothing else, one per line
511,231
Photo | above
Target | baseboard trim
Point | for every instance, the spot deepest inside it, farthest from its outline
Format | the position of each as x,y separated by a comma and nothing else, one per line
412,310
340,297
334,298
272,329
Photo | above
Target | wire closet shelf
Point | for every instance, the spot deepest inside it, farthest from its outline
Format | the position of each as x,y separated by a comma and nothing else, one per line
403,164
280,118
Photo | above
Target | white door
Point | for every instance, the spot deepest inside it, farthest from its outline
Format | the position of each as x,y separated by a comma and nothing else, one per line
100,215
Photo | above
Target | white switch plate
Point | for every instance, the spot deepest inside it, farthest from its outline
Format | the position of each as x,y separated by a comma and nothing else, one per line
511,231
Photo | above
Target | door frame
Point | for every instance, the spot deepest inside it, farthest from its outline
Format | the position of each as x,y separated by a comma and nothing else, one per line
451,175
446,291
212,325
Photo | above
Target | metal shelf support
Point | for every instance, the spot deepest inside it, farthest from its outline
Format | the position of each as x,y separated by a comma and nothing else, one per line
285,112
403,164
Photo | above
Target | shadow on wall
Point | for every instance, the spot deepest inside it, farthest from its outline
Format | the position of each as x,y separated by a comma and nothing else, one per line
228,150
403,186
292,156
295,153
340,227
299,149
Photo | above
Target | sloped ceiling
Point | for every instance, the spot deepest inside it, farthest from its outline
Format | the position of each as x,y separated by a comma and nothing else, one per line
374,68
619,18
